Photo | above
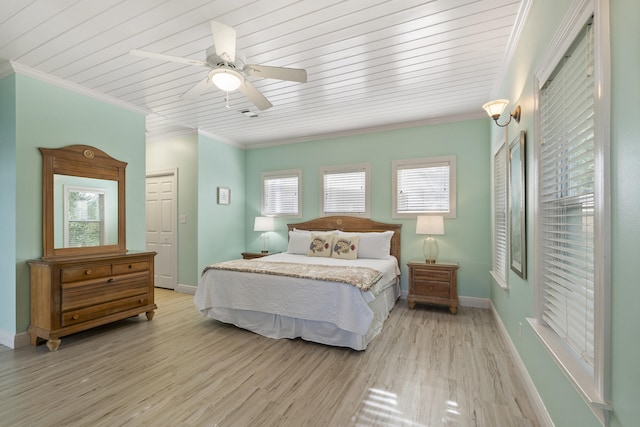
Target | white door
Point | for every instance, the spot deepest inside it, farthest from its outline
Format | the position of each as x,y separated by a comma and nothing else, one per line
161,228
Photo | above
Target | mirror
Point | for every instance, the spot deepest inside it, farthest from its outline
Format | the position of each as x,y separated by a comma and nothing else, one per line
83,202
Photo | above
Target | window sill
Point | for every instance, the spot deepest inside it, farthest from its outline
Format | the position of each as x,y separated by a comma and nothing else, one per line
575,372
500,281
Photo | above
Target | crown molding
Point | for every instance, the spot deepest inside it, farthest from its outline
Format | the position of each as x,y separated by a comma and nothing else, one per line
74,87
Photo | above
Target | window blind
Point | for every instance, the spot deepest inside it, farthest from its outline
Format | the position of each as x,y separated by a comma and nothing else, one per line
566,198
423,188
280,195
500,213
344,192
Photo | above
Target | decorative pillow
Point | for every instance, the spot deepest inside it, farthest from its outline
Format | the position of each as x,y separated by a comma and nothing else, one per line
320,245
298,242
375,245
345,246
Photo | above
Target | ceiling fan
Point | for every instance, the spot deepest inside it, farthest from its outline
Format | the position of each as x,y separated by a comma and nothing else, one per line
228,68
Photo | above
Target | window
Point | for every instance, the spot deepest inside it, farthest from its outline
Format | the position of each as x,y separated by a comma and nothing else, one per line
345,190
424,186
281,193
499,271
84,216
571,268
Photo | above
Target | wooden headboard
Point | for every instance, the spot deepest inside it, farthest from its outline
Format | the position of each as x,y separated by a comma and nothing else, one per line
355,225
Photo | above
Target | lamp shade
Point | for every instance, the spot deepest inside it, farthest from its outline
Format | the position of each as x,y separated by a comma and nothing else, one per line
495,108
226,79
432,224
263,223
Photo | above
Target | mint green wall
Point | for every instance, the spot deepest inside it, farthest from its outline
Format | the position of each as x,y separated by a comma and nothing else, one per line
562,401
50,116
221,228
467,239
181,153
7,208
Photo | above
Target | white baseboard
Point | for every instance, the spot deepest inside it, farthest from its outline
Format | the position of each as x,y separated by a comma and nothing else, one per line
23,339
530,388
474,302
186,289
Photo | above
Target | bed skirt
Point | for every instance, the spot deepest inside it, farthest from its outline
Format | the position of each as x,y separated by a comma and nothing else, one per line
280,326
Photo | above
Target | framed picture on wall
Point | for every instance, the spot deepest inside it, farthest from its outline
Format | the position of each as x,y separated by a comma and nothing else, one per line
224,196
517,208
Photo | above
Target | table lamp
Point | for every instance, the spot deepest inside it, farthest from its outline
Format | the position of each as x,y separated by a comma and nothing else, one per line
264,224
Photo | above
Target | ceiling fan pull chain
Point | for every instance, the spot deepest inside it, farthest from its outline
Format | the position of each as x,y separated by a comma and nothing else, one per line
226,98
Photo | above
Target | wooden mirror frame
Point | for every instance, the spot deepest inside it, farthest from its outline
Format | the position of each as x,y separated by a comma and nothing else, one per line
81,161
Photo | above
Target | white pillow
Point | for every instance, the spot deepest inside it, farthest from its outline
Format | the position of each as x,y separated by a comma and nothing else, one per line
374,245
298,242
320,244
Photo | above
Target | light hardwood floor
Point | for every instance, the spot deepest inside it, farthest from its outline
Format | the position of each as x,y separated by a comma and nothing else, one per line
426,368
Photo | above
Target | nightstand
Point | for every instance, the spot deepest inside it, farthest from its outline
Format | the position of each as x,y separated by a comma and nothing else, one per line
252,255
433,284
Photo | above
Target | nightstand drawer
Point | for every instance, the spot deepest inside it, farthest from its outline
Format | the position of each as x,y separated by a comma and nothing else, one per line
435,289
432,275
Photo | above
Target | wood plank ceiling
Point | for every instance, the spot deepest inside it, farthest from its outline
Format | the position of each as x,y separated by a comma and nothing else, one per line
371,64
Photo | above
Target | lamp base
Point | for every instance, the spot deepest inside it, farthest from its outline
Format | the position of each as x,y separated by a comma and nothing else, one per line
264,251
430,250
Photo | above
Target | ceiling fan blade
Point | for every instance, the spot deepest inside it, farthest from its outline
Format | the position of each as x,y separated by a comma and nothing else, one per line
254,95
224,39
197,90
280,73
164,57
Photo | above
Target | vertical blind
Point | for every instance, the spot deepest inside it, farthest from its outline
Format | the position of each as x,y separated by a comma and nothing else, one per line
500,212
423,189
567,164
281,195
344,192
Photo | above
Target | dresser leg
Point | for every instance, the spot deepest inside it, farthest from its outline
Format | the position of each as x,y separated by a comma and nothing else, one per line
53,344
150,314
412,305
453,309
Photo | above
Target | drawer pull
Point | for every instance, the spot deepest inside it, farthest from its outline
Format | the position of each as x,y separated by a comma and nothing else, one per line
76,317
111,280
87,272
141,300
130,266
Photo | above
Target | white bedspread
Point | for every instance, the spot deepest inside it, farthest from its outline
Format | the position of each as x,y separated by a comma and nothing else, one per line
341,304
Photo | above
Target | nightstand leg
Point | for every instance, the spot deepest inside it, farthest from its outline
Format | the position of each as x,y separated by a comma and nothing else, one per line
53,344
412,305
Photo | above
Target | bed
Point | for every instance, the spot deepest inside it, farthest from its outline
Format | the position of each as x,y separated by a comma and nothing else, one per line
340,300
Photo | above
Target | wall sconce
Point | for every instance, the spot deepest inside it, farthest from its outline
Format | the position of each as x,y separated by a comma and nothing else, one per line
495,108
430,225
264,224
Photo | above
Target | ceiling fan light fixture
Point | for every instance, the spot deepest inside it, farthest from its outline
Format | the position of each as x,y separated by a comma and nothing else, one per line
226,79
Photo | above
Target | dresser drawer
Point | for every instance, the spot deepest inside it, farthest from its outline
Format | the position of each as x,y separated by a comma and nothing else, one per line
130,267
74,274
83,294
82,315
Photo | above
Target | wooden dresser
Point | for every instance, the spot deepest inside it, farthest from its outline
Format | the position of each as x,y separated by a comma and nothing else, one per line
433,284
72,295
